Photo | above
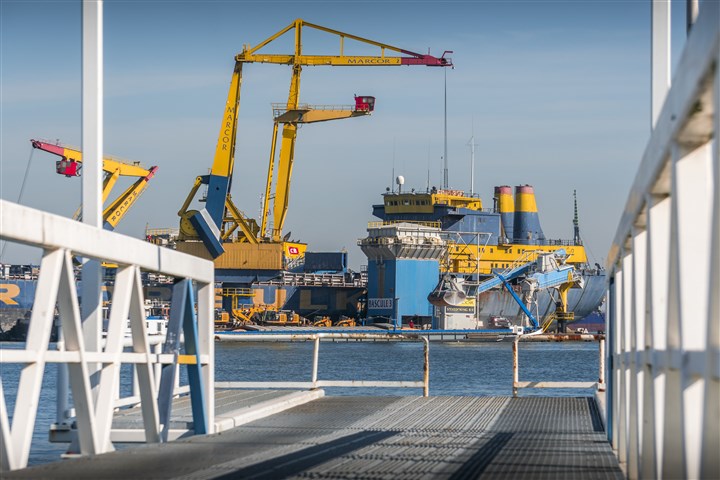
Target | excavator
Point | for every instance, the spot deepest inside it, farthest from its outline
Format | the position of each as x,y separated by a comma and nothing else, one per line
70,165
220,227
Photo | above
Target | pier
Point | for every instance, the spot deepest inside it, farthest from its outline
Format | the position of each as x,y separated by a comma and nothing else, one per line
372,437
654,412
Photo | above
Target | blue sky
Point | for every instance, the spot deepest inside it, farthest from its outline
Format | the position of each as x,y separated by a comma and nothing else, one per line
556,93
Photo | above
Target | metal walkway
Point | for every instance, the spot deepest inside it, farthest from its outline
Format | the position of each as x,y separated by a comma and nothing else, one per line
379,437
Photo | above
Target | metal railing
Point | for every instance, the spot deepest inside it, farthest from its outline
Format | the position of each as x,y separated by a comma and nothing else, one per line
94,395
663,322
315,383
517,384
280,108
392,223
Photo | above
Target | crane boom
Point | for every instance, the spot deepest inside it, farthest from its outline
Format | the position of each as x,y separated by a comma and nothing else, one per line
411,58
69,165
289,130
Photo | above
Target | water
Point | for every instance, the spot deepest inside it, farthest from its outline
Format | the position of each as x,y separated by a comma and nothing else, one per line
456,368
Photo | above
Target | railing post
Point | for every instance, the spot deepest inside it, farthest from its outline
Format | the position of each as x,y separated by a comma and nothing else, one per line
601,373
62,384
516,375
426,367
316,355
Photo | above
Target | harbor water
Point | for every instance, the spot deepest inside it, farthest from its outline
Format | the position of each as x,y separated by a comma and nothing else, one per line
456,368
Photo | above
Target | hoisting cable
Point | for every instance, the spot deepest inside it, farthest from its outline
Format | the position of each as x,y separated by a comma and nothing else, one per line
20,195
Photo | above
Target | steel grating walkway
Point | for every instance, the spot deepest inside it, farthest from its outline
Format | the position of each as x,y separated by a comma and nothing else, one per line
380,438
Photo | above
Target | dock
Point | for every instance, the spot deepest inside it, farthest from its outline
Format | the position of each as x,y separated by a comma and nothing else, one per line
378,437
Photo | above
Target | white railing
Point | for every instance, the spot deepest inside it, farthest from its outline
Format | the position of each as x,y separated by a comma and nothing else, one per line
61,239
663,320
315,383
517,384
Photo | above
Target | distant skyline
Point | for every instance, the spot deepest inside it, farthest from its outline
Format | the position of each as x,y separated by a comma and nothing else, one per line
556,94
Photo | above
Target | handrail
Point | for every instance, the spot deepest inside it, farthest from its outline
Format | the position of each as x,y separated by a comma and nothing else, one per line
517,384
663,315
391,223
315,383
94,396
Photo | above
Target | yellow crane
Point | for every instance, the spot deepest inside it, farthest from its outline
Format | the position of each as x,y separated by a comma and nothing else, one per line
364,105
70,163
216,223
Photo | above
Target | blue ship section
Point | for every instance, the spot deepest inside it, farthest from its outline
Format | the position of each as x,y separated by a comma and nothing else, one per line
317,262
17,293
20,294
527,229
474,221
508,219
399,288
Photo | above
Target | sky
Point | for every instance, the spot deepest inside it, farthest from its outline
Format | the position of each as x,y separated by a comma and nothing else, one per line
555,93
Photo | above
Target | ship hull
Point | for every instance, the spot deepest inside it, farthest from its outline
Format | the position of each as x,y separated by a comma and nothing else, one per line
497,308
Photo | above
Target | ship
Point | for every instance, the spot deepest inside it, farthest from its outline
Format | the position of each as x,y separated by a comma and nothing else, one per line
446,243
18,285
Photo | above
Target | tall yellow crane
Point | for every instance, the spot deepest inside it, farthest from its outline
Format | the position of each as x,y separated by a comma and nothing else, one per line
69,165
220,218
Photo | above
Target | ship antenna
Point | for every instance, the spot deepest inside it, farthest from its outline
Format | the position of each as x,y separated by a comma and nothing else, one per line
472,145
392,179
576,222
428,169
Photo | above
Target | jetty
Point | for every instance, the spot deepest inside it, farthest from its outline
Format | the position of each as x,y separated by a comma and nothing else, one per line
654,413
379,437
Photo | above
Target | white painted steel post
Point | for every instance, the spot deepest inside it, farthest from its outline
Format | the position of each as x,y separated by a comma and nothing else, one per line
516,373
635,370
156,349
710,460
135,389
316,355
61,385
601,373
656,331
92,148
206,344
660,47
691,14
426,366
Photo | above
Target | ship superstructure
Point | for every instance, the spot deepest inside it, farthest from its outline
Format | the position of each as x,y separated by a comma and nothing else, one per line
479,240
